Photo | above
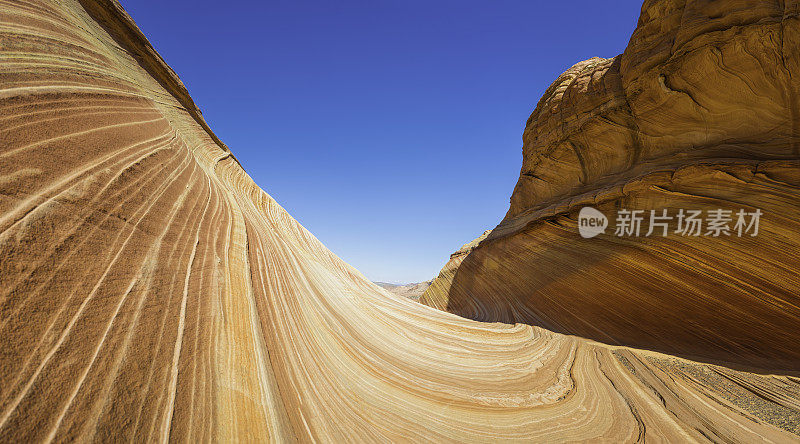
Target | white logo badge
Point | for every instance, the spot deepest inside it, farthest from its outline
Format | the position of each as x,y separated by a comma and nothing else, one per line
591,222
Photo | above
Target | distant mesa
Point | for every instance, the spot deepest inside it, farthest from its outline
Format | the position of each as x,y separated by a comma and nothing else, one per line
412,291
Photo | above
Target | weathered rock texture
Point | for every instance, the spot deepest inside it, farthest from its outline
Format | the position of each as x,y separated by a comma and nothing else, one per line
699,112
149,290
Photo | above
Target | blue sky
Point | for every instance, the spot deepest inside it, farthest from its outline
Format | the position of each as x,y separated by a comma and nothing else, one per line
392,130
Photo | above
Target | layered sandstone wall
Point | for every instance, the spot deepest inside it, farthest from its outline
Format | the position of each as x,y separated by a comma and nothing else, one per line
700,112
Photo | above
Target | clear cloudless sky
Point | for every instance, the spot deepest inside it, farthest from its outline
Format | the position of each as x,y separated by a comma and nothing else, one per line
391,129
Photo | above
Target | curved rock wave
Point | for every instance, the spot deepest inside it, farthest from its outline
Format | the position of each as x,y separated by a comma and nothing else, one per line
700,113
149,290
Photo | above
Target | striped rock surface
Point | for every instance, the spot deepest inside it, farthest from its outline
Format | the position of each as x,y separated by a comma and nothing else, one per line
150,291
701,112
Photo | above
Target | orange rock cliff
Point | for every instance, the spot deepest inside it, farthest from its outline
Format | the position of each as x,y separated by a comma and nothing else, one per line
699,112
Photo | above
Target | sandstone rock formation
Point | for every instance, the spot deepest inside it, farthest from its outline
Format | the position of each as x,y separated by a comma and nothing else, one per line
149,290
699,112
